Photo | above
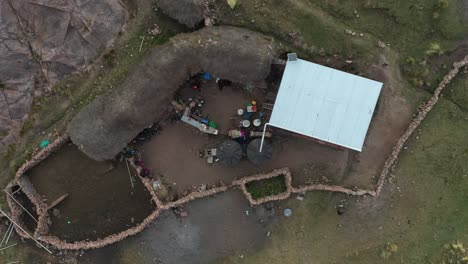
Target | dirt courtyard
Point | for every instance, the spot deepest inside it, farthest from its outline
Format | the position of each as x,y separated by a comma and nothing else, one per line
173,154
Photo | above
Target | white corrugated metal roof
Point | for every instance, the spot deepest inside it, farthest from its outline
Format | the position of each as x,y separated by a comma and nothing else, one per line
325,103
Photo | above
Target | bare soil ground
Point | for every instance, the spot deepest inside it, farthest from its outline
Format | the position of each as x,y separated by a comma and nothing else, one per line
391,118
174,153
215,227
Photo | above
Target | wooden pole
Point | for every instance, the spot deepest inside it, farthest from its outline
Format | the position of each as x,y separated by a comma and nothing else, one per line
129,174
19,189
59,200
8,237
21,206
8,247
9,218
8,230
141,44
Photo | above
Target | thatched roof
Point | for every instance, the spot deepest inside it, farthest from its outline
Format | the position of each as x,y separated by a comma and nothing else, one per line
188,12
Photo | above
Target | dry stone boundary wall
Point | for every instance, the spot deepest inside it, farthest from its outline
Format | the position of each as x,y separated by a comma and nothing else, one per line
44,220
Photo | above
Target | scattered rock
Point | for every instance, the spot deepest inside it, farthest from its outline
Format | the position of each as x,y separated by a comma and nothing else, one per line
340,210
155,30
183,214
300,197
56,212
381,44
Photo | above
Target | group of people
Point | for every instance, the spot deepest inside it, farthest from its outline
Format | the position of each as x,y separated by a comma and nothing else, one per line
145,135
131,152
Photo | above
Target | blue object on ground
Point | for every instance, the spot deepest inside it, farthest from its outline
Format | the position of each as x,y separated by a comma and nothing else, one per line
205,121
207,76
246,115
287,212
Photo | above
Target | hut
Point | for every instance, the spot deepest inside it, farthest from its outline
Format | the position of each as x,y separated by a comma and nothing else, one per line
324,104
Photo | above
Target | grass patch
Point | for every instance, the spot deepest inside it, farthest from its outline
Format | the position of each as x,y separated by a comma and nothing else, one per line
457,91
267,187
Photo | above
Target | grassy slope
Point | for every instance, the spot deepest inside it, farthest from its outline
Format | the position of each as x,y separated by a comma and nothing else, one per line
457,92
408,26
429,212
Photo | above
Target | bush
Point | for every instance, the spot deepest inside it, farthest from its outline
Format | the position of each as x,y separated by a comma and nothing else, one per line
434,48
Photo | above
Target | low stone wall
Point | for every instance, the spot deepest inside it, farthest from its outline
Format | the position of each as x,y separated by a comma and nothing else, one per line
15,211
99,243
422,113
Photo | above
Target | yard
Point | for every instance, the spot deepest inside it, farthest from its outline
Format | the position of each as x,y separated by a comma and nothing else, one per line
421,215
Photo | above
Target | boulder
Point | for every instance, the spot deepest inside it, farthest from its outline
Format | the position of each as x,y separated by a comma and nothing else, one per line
42,41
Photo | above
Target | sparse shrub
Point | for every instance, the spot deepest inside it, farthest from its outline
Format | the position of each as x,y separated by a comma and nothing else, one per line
434,48
455,252
439,7
410,61
417,72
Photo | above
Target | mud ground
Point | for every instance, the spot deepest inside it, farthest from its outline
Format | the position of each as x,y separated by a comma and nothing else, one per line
215,227
101,199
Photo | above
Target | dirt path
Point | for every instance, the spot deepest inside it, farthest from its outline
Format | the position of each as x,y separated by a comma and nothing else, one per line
391,118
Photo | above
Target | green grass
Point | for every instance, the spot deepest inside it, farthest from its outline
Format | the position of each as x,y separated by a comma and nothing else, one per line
457,91
299,26
268,187
410,27
422,219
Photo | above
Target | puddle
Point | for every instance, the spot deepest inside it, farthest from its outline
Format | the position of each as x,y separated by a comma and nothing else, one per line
28,221
101,199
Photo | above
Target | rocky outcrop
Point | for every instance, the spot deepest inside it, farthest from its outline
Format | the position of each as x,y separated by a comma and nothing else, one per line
41,42
104,127
187,12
